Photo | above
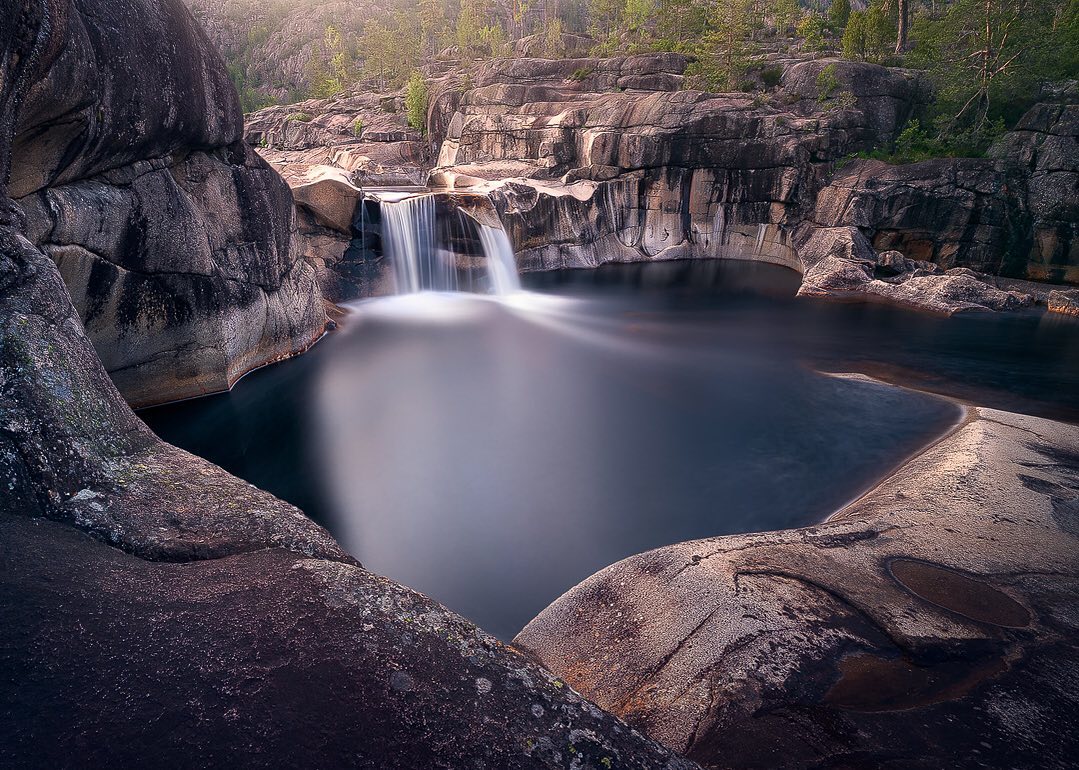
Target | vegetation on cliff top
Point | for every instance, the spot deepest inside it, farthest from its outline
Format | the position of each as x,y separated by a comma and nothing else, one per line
988,59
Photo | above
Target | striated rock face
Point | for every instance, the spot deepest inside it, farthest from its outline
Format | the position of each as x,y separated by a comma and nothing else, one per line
591,161
933,618
363,134
1045,148
623,165
964,212
174,238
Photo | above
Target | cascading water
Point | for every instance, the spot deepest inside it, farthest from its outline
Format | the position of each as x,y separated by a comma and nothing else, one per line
409,234
425,250
501,264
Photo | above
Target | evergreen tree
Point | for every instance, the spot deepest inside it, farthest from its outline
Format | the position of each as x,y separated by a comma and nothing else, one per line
433,26
988,59
839,13
786,14
726,48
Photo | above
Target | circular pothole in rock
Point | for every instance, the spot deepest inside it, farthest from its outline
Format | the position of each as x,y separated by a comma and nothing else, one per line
960,593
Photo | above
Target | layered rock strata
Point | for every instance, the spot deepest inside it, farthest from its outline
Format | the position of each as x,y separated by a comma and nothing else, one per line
609,160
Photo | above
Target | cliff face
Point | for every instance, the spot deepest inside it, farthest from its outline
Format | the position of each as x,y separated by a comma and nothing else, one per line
609,160
269,44
174,238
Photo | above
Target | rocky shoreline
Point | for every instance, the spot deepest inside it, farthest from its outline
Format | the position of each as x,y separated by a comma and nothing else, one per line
933,617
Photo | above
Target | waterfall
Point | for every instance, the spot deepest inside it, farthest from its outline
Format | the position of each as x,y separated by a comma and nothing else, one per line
424,250
501,264
409,234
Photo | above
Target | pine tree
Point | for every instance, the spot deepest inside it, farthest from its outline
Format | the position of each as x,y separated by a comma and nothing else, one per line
727,47
786,14
839,13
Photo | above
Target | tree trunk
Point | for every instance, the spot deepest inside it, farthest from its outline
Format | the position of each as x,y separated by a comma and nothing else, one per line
901,29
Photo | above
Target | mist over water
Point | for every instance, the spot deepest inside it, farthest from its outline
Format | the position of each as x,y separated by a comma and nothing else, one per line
493,453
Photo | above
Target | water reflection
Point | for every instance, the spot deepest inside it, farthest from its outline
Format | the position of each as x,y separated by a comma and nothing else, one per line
494,453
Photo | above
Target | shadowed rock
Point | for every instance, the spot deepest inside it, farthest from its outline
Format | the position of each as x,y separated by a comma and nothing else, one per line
174,238
933,618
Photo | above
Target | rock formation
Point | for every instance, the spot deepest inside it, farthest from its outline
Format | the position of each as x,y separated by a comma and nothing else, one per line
153,609
174,238
1065,302
933,618
608,160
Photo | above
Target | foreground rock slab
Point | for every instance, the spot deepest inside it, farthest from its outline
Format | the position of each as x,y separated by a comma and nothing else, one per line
266,659
936,617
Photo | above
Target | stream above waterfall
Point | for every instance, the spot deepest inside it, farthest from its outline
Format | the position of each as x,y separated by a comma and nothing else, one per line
493,452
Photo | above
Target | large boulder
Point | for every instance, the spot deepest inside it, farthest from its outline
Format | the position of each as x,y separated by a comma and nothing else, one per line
933,618
174,238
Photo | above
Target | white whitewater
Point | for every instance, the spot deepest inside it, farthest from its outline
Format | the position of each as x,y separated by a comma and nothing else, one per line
411,233
501,264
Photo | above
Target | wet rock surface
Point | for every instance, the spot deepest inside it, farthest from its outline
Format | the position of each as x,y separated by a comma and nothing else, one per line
934,617
174,238
1064,302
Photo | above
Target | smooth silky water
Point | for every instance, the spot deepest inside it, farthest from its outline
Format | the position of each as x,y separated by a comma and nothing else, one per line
493,452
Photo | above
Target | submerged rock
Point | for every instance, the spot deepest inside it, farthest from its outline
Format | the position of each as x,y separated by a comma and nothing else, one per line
174,238
933,618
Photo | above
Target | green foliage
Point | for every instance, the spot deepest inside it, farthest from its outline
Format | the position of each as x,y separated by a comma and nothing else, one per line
839,14
553,45
581,73
915,144
811,29
299,117
476,38
357,127
870,34
416,100
330,67
637,15
785,13
827,83
988,60
771,76
724,54
682,24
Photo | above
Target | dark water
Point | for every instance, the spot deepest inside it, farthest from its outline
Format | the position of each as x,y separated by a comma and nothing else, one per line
493,454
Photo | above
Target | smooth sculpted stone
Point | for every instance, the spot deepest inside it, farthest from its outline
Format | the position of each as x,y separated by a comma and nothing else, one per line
840,262
935,617
268,659
175,239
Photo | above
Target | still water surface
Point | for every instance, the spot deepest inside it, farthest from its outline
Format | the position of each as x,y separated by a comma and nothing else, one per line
492,454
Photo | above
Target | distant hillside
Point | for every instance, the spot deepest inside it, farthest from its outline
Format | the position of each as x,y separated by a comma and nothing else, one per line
269,44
